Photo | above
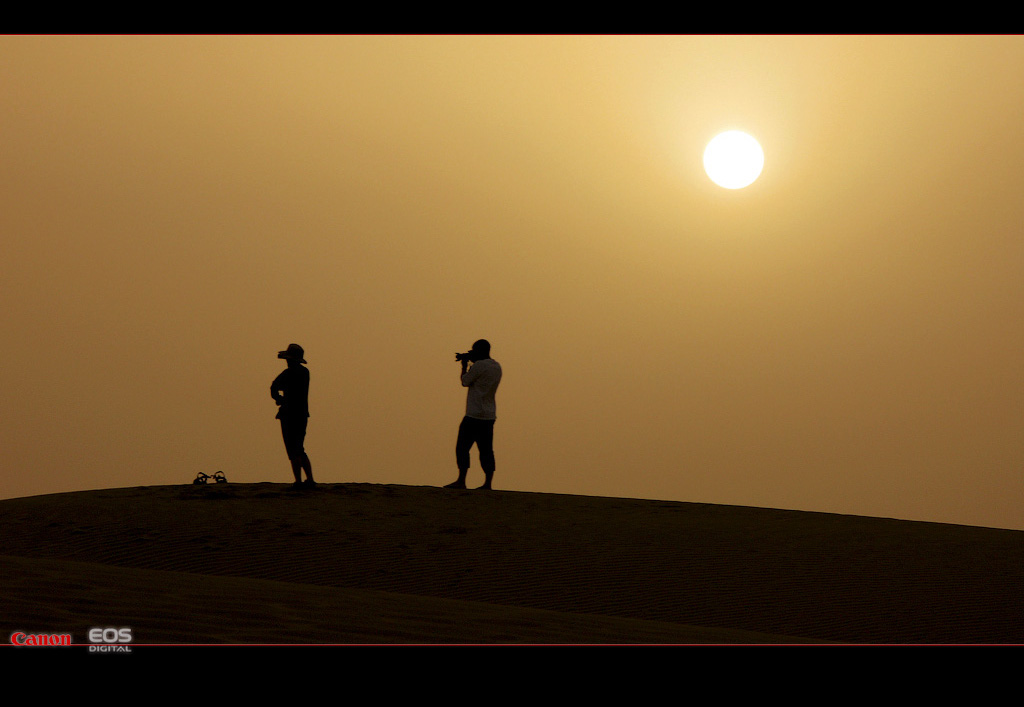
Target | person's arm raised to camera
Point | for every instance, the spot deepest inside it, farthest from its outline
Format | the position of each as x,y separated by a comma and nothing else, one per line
467,376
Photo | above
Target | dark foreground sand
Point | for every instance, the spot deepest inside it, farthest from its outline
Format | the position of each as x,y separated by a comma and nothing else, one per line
365,563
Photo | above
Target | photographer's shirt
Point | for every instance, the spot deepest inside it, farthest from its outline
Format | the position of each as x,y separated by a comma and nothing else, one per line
482,380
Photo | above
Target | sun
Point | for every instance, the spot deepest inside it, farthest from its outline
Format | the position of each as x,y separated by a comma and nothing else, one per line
733,159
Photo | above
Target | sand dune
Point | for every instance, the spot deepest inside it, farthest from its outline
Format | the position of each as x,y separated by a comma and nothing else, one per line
364,563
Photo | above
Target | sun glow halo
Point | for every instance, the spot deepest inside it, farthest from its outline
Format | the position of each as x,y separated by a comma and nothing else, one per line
733,159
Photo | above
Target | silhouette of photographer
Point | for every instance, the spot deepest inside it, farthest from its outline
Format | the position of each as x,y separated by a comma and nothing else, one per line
482,379
290,390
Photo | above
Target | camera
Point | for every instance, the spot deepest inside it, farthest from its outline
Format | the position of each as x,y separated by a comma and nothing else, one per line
468,356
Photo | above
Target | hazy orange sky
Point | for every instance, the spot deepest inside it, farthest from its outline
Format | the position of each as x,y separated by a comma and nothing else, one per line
845,335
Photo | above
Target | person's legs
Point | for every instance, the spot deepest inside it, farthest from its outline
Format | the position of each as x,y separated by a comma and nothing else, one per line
485,445
462,447
294,433
303,458
296,470
481,433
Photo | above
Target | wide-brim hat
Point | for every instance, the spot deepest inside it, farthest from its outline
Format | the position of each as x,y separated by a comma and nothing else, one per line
293,351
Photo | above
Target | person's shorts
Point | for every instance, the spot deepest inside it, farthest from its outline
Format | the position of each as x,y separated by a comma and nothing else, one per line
293,429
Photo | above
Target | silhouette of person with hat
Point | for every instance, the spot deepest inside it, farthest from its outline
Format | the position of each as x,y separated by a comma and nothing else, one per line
477,426
290,390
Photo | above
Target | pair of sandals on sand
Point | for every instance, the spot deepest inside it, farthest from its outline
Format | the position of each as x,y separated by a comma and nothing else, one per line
218,478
